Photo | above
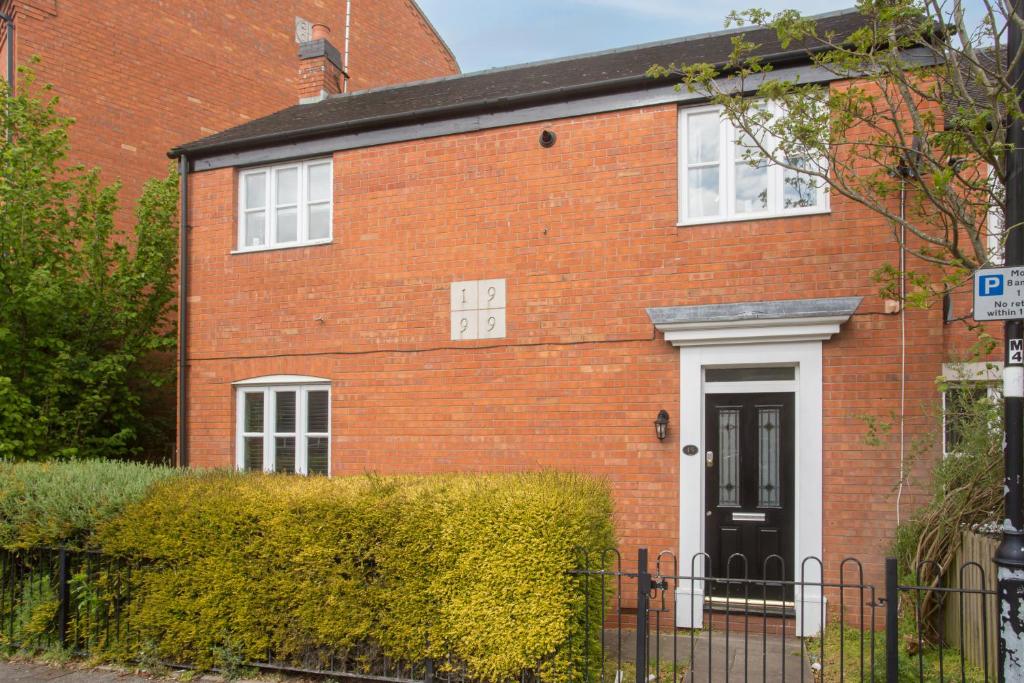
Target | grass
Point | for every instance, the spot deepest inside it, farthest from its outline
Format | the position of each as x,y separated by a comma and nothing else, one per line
913,666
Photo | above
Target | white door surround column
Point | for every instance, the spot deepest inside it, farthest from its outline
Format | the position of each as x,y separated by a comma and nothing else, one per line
768,333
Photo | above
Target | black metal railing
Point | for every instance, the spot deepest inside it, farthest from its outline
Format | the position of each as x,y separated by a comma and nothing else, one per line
660,625
648,623
77,600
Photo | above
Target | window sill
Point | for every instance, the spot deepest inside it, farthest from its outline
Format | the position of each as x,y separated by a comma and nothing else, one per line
816,211
279,247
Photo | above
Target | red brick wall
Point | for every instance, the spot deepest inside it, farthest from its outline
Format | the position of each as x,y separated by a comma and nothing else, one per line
141,77
586,235
416,52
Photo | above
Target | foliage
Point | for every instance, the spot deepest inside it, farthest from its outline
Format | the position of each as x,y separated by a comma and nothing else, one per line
919,101
242,565
966,489
82,303
844,648
49,504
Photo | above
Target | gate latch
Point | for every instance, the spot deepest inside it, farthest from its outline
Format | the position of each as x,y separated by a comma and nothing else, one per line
709,458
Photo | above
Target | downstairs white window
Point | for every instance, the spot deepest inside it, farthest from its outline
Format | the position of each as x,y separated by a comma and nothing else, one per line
284,428
970,399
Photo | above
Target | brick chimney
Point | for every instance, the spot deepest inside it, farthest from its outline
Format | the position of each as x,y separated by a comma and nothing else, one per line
319,67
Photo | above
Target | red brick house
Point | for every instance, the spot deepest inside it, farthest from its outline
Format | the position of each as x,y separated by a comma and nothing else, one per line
522,268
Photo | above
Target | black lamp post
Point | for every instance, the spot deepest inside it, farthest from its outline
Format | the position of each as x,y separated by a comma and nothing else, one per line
661,425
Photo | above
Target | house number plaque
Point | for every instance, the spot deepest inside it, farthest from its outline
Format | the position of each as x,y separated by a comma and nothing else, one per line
478,309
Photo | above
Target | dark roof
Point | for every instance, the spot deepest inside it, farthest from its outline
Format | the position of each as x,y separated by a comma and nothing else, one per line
966,103
504,88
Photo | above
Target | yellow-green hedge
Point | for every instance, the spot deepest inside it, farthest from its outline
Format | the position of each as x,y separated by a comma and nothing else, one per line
467,567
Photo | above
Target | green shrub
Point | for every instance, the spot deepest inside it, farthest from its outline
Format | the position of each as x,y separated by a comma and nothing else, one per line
471,567
48,504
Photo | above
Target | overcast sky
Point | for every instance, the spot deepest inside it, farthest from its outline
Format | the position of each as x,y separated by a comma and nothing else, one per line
488,33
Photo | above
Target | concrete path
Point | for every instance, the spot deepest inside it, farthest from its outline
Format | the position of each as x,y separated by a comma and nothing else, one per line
33,672
750,661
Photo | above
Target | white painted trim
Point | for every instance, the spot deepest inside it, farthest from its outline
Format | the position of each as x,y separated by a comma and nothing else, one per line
819,328
281,379
805,354
990,371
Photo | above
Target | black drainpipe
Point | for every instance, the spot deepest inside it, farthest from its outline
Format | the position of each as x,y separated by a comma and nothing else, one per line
8,20
183,317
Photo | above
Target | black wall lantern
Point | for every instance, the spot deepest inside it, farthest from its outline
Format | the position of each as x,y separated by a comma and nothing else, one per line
661,425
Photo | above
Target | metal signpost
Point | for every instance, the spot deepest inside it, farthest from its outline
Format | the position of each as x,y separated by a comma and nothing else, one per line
993,304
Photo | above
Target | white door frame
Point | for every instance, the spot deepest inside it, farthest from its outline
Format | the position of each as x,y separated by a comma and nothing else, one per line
730,335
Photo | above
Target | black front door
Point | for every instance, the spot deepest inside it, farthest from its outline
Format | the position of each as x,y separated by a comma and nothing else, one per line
749,490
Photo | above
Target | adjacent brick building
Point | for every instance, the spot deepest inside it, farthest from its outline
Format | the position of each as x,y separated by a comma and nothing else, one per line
521,269
139,77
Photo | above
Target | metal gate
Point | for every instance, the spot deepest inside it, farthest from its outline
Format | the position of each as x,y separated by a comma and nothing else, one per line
831,630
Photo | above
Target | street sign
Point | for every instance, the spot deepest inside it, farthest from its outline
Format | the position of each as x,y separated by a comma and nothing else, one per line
999,293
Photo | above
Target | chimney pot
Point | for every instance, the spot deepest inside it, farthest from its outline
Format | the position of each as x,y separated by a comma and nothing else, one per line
321,32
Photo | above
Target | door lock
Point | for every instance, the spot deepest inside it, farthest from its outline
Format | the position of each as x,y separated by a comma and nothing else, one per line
709,458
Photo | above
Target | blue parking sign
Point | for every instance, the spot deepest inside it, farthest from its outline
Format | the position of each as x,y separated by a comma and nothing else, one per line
990,285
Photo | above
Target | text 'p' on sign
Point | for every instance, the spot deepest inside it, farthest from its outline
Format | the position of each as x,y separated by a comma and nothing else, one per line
999,293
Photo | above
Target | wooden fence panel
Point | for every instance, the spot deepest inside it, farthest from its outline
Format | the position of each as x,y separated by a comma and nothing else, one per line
970,620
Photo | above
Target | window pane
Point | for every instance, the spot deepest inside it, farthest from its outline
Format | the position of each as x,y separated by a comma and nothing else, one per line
255,228
702,133
256,190
287,225
751,187
702,191
729,457
960,406
317,453
285,401
253,455
253,418
319,183
799,190
749,374
317,417
769,481
284,452
319,221
287,186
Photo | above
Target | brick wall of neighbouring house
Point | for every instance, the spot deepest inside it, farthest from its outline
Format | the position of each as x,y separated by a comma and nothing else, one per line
141,77
585,234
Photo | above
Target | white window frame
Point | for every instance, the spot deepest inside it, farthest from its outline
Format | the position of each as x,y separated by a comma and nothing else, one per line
270,207
729,154
995,225
269,433
988,374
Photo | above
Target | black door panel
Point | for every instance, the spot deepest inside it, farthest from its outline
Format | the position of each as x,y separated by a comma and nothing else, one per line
749,488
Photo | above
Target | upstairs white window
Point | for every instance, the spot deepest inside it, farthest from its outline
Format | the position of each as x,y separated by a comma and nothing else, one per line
284,206
996,223
284,428
723,177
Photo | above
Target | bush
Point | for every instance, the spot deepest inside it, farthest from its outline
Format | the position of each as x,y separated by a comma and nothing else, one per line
49,504
467,568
